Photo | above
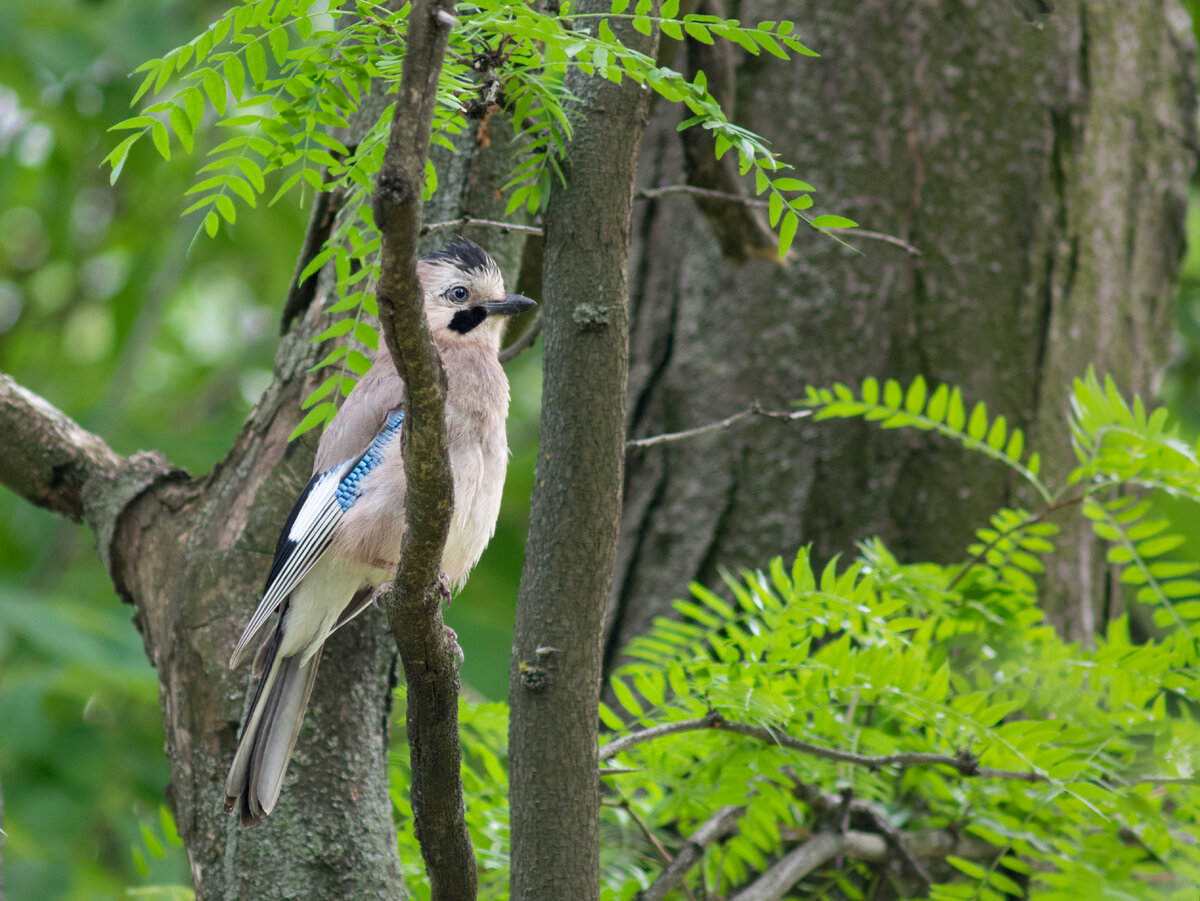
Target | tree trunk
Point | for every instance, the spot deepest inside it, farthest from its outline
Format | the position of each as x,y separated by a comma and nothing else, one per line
192,556
1041,174
575,510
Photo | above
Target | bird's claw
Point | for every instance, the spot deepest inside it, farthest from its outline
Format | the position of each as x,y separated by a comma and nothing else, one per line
444,588
381,591
455,647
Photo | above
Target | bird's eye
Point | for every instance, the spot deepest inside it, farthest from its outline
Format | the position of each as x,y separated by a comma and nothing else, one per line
458,294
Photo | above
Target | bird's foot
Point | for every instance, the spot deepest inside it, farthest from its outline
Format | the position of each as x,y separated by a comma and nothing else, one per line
381,591
444,588
455,648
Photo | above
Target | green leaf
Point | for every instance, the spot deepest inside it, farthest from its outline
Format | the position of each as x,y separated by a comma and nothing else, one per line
870,391
774,208
162,143
955,414
318,415
939,685
997,433
794,184
117,156
235,76
624,696
829,221
1156,547
1016,445
673,30
893,394
256,62
278,39
977,426
787,232
968,867
914,402
936,409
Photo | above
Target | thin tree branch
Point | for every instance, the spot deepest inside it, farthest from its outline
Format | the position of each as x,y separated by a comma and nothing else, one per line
649,193
523,343
464,221
414,607
753,410
715,828
964,763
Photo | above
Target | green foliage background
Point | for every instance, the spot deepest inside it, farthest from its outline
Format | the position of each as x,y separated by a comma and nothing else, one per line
110,310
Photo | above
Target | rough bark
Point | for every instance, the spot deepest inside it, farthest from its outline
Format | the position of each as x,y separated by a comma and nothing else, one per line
192,557
1042,175
555,675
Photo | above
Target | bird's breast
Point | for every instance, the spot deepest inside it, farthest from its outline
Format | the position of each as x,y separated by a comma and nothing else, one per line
479,469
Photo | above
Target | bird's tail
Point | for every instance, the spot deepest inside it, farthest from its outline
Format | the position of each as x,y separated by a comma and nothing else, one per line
269,733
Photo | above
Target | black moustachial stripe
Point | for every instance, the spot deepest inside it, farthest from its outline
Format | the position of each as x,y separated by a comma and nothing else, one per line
465,320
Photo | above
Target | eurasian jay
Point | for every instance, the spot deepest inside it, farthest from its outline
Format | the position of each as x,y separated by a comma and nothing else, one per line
343,537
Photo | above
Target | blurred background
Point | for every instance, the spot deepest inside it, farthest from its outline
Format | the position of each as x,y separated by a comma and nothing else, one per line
113,310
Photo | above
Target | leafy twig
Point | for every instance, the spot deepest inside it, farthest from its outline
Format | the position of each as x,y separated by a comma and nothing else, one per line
1046,511
650,193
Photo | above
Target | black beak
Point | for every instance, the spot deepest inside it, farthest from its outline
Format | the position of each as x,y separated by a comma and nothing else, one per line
510,306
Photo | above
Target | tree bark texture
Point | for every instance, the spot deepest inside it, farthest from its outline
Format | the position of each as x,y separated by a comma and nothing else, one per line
192,556
1042,176
574,517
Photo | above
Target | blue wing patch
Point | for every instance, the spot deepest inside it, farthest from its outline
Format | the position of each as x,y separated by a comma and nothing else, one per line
310,526
350,487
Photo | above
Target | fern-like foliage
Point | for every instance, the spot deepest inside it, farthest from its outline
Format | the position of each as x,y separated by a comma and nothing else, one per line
942,410
1126,456
914,699
284,78
838,660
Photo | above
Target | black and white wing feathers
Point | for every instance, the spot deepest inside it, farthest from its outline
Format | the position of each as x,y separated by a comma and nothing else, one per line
310,528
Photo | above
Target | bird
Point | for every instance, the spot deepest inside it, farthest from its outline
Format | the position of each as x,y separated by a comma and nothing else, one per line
341,542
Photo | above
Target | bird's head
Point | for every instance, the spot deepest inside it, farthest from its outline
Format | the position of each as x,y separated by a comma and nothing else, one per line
465,300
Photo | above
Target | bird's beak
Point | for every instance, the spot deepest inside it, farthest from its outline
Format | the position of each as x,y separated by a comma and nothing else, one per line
510,306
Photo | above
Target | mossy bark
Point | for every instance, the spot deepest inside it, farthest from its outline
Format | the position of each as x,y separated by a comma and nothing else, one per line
1042,176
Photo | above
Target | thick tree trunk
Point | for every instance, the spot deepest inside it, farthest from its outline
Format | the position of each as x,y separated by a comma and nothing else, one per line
192,556
1041,175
